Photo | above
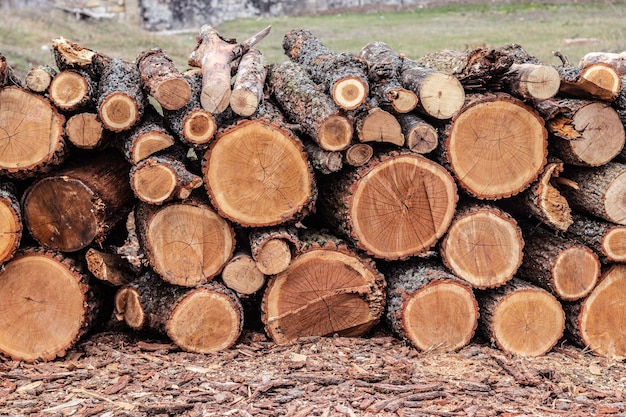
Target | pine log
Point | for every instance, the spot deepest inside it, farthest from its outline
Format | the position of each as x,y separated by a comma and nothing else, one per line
161,79
23,115
303,103
324,162
86,131
496,146
607,239
192,124
594,82
396,206
72,90
80,204
565,267
588,133
121,101
420,136
373,124
204,319
597,322
430,307
7,75
214,55
531,81
48,303
359,154
257,174
615,60
521,319
147,138
11,229
326,290
599,191
342,75
248,87
109,268
242,275
271,248
38,79
187,243
384,69
483,246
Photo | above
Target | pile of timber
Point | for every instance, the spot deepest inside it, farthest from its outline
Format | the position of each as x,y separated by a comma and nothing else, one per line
461,194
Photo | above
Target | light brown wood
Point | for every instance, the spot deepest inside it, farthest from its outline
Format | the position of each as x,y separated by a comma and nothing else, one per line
71,90
38,79
359,154
598,81
378,125
248,87
11,228
242,275
532,81
161,79
420,136
85,131
109,268
121,102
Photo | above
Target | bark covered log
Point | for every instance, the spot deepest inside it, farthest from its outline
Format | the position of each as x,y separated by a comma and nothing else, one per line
597,81
272,248
121,101
73,90
248,87
607,239
38,79
242,275
420,136
11,229
86,131
147,138
161,79
7,76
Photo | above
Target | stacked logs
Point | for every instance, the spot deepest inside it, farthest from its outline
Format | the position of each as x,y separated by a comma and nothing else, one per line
463,192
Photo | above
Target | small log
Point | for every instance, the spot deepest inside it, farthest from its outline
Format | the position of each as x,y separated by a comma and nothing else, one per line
496,146
531,81
149,137
257,174
242,275
109,268
80,204
358,154
420,136
48,304
249,83
324,162
22,115
70,55
85,131
187,243
303,103
397,205
607,239
342,75
38,79
483,246
204,319
214,55
565,267
121,101
7,75
373,124
588,133
11,229
594,82
615,60
430,307
302,300
599,191
596,323
161,79
521,319
72,90
271,248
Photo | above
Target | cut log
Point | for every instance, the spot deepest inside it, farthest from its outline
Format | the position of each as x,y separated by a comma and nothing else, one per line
121,101
429,307
109,268
521,319
483,246
325,291
599,191
597,322
303,103
11,229
80,204
530,81
242,275
7,76
594,82
396,206
72,90
359,154
373,124
205,319
496,146
588,133
615,60
38,79
47,304
342,75
161,79
193,125
249,83
131,250
214,55
148,138
24,115
607,239
420,136
257,174
271,248
70,55
324,162
187,243
85,131
565,267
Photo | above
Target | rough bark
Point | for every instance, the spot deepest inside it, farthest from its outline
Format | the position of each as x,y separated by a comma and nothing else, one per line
7,76
530,81
161,79
420,136
324,162
38,79
615,60
70,55
109,268
248,87
147,138
607,239
11,229
598,81
121,100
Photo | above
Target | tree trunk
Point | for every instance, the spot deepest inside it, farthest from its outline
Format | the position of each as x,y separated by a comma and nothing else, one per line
257,174
122,101
249,83
496,146
597,81
324,162
161,80
325,290
530,81
359,154
565,267
85,131
521,319
205,319
483,246
429,307
607,239
303,103
72,90
23,114
11,229
79,205
48,304
396,206
70,55
186,243
588,133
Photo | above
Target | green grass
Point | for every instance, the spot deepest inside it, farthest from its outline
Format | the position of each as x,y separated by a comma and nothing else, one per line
25,35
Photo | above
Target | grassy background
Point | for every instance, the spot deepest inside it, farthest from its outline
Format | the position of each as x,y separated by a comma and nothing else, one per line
573,29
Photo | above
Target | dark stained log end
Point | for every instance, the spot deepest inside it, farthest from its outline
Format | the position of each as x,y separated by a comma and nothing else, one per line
335,133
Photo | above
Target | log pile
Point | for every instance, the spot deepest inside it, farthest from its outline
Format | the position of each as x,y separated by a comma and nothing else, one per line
461,194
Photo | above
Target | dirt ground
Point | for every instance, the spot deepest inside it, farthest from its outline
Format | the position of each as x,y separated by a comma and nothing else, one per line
119,373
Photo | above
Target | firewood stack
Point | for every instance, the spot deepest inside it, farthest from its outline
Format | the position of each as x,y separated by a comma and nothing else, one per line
461,193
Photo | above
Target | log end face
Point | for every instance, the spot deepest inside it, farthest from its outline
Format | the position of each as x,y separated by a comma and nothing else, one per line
543,82
441,96
173,93
615,200
349,92
575,273
614,244
335,133
199,127
10,229
153,183
119,112
128,308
